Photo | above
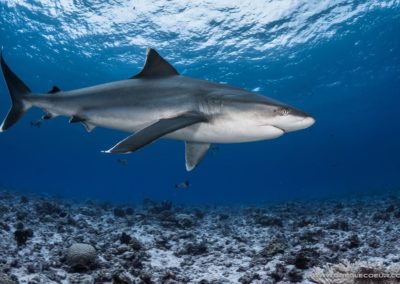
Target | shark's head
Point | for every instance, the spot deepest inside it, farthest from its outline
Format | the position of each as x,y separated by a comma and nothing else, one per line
288,118
269,112
245,116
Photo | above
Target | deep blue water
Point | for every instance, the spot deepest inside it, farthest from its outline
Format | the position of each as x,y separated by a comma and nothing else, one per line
338,60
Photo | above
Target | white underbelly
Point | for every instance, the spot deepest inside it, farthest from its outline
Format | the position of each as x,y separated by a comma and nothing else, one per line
129,123
225,133
220,131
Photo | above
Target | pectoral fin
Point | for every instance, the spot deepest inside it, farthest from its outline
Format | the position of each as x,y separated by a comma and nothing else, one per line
155,131
195,152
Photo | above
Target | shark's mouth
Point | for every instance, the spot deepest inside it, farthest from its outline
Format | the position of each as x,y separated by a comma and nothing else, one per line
277,127
283,130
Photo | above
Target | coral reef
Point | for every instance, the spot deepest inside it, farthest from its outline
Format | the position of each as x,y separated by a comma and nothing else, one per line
46,240
5,279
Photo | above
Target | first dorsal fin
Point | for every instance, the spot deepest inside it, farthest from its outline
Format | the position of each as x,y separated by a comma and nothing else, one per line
155,66
54,90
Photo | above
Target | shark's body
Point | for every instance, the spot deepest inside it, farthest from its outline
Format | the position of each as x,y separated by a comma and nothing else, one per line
158,102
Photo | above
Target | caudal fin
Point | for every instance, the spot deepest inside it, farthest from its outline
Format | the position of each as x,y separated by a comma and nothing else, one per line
18,91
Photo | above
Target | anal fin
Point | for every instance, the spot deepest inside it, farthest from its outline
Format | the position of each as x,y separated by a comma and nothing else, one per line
194,153
48,115
76,118
88,126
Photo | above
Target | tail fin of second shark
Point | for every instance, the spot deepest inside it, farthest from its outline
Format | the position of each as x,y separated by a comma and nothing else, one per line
18,92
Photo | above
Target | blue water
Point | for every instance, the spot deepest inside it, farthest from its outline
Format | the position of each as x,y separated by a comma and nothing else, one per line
338,60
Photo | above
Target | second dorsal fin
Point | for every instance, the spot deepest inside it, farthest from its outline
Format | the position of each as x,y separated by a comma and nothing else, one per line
54,90
155,66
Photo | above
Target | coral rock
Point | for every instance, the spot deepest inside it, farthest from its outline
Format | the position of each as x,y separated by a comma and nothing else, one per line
80,255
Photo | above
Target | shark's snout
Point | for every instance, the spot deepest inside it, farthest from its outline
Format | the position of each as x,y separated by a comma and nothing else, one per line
293,120
299,119
300,123
308,121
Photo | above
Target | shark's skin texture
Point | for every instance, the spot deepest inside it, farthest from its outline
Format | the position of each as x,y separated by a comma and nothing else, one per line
160,103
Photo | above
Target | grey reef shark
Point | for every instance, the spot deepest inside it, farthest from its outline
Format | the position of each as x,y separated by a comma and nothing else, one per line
158,102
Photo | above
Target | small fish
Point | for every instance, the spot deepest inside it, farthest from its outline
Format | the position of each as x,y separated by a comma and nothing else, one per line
183,185
122,161
36,123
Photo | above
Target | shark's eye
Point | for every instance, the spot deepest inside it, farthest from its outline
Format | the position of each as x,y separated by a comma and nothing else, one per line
284,111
